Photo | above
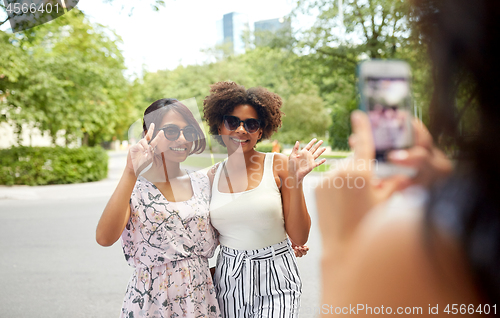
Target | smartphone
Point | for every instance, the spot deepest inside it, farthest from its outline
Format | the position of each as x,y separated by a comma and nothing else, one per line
385,95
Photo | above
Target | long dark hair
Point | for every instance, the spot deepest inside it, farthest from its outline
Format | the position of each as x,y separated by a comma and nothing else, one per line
157,110
463,39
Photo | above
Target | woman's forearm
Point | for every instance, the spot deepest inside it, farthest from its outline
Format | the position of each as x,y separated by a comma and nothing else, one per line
297,220
117,212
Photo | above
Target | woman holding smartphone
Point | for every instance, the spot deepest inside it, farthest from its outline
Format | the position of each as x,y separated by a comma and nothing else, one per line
162,217
257,204
441,257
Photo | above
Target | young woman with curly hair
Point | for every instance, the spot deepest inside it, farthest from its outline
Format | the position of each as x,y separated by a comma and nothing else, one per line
257,204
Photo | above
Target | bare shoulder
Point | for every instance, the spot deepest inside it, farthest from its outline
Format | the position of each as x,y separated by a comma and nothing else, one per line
280,157
211,172
280,162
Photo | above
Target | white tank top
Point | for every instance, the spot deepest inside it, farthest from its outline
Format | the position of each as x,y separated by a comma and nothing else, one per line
251,219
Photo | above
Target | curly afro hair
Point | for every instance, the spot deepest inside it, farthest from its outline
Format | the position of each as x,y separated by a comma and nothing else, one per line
225,96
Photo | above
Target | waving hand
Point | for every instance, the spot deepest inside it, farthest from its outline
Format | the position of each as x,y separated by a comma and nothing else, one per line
301,162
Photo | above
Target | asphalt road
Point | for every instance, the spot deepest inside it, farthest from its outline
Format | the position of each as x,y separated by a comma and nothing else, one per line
52,267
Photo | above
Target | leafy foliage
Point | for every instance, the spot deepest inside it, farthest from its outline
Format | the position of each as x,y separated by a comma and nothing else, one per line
274,68
68,77
264,147
333,47
47,165
306,117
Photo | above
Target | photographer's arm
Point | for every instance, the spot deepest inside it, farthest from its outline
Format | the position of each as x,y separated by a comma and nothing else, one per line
376,258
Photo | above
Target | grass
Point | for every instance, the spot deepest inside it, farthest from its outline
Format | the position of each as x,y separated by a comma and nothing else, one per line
323,168
200,162
334,156
326,167
206,162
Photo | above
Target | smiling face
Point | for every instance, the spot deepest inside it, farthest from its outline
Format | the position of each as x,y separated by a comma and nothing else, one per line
240,137
174,150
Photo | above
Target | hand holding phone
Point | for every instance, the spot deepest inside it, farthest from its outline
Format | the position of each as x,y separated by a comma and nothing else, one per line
385,91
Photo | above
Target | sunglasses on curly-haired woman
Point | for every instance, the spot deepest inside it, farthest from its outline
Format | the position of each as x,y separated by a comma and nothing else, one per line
232,123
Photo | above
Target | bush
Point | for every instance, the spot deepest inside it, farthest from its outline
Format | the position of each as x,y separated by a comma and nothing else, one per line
47,165
264,147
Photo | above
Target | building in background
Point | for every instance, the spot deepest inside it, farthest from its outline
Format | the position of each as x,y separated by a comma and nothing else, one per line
231,30
266,30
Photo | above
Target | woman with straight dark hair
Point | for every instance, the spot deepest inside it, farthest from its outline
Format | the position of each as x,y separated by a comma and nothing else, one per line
442,258
161,212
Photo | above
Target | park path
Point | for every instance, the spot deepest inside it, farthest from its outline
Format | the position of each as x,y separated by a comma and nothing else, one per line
52,267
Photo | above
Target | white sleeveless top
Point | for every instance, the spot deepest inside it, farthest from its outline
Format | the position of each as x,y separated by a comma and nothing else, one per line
251,219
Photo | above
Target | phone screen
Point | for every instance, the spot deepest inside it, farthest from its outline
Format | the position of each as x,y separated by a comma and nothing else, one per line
388,102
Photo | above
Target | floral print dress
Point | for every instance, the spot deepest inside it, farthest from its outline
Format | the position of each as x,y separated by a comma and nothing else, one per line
168,244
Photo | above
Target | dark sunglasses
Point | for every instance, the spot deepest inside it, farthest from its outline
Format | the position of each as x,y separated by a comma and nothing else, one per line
173,132
232,123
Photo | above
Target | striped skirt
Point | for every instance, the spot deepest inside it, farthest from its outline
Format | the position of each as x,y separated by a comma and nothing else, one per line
258,283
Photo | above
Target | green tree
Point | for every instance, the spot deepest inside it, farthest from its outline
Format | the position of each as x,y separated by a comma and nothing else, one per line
273,68
190,81
375,28
333,47
72,81
306,117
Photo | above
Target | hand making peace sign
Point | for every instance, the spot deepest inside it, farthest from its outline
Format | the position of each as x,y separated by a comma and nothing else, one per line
141,154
